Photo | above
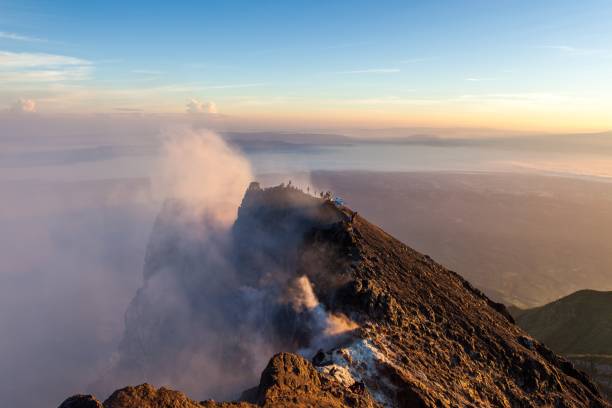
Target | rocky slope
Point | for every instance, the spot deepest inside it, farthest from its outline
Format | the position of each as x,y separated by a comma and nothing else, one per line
378,323
557,243
578,326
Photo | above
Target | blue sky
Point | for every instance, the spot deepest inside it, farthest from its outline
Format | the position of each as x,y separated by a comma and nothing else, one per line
515,64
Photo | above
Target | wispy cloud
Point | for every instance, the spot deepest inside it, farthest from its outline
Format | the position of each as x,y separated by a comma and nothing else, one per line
33,60
49,75
231,86
417,60
40,67
371,71
480,79
346,45
191,87
576,51
128,110
259,101
523,98
313,49
387,100
19,37
146,71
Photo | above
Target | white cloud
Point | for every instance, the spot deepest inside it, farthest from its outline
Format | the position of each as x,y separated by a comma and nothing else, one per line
24,106
40,67
195,106
48,75
371,71
35,60
19,37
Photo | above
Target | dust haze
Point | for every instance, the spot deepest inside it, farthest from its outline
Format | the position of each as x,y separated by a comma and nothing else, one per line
80,209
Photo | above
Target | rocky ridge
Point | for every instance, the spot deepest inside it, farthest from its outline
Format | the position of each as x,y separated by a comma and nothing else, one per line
424,336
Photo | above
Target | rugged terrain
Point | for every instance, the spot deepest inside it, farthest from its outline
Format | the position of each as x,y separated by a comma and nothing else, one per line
579,327
523,239
378,323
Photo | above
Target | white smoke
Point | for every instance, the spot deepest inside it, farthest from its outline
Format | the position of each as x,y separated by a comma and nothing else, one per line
188,272
326,325
203,322
198,168
301,295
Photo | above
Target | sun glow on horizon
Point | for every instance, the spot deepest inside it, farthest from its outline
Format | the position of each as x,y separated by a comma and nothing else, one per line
547,69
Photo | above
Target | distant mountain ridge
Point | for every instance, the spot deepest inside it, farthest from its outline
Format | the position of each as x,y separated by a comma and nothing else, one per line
580,323
578,326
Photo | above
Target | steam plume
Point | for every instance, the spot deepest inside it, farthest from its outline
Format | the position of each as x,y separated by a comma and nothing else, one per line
326,327
199,169
212,309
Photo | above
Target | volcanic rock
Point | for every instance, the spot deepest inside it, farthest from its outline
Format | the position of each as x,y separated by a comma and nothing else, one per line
81,401
414,334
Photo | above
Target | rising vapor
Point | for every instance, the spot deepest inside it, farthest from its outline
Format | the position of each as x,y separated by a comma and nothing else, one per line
213,309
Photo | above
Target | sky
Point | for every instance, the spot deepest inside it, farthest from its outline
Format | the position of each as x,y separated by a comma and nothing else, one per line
523,65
